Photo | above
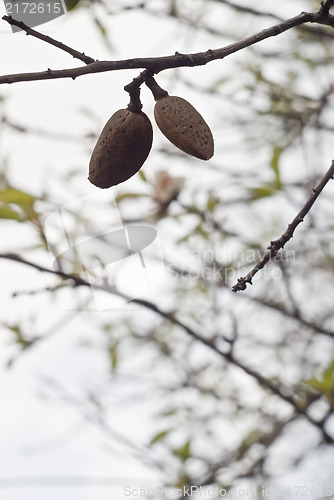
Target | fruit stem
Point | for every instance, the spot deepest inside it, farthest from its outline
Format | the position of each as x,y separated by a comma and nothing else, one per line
135,104
157,91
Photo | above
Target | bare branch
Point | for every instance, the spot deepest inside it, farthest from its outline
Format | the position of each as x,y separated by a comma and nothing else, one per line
17,258
158,64
77,281
295,316
262,380
48,39
276,245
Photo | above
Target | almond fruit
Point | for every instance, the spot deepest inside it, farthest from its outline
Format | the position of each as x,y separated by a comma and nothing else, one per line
121,149
179,121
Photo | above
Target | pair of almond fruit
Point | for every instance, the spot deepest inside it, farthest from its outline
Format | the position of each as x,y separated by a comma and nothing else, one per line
126,139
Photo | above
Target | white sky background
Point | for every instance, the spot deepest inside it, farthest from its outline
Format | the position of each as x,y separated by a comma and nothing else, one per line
31,427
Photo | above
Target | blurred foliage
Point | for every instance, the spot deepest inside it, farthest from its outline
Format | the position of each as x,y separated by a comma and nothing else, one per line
324,383
16,204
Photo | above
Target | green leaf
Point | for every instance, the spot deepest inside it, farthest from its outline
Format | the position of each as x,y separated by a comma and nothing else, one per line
11,195
113,356
23,201
199,229
168,412
324,383
160,436
142,175
104,32
274,163
183,452
262,192
100,26
126,196
7,213
251,438
183,480
20,339
269,188
213,201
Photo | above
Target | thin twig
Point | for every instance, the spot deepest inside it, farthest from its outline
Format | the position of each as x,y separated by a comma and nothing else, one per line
315,327
276,245
48,39
77,282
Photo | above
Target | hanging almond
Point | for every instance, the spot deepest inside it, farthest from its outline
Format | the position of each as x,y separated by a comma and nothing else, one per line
121,149
181,123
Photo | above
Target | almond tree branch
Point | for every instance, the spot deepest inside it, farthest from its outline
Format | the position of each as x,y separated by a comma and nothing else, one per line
295,316
276,245
77,282
48,39
262,380
156,64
